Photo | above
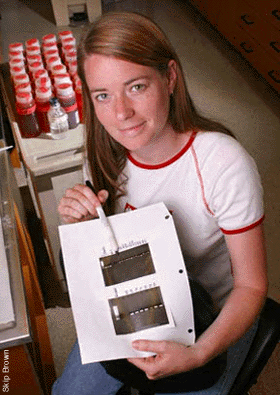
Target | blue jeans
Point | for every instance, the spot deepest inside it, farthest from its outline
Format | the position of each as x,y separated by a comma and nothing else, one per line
92,379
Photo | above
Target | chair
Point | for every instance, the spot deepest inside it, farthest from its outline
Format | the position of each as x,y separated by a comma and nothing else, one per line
264,343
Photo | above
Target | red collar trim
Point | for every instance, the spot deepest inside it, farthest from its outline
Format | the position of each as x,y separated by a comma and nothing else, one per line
169,161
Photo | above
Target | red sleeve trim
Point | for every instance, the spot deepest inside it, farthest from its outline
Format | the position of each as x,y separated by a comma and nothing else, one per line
241,230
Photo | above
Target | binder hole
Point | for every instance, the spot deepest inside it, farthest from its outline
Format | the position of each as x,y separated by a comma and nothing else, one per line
167,216
181,271
190,330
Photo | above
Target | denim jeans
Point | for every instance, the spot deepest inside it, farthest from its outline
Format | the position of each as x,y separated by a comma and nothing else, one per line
92,379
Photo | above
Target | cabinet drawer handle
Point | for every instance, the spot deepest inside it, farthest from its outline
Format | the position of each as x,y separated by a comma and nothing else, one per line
273,74
275,45
276,13
246,20
249,49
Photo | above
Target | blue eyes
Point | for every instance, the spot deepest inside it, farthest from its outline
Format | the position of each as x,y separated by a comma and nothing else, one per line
101,97
134,89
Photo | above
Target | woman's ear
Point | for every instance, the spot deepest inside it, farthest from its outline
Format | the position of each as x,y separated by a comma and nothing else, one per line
171,75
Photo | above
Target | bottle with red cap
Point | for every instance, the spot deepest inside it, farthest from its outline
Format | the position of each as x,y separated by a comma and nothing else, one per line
33,58
67,98
26,115
40,73
53,61
70,40
21,79
16,47
25,87
33,50
16,55
59,79
43,82
49,46
49,38
32,41
50,53
58,69
17,71
70,56
68,46
42,99
64,35
34,67
16,62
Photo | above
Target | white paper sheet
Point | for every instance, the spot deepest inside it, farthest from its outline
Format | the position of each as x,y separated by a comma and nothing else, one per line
114,304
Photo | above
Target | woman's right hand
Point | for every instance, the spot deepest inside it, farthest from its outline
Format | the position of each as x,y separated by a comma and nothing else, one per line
79,204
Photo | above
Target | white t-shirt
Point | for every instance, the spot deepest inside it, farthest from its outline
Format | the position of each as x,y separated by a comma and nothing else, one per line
212,187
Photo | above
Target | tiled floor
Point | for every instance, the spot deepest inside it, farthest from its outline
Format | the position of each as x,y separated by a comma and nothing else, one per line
222,84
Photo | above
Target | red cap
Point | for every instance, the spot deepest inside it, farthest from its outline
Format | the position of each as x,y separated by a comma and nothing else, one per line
49,45
24,97
25,87
40,73
64,89
43,92
16,47
21,78
49,38
31,42
33,50
17,70
16,62
34,58
65,33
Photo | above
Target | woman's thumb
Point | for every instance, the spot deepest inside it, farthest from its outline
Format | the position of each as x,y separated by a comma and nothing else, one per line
103,195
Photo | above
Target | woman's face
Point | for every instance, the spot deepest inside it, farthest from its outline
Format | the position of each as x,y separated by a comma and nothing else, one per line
131,101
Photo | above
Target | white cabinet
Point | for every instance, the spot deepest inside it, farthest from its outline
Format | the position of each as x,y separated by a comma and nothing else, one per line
51,166
61,12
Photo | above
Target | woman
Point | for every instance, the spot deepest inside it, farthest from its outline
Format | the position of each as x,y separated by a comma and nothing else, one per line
146,143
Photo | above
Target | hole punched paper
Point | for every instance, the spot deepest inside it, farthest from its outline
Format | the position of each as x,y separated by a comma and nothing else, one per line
140,291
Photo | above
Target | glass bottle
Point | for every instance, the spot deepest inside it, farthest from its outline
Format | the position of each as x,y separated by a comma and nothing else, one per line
58,120
67,98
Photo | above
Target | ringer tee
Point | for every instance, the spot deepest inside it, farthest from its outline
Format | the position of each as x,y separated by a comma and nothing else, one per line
212,187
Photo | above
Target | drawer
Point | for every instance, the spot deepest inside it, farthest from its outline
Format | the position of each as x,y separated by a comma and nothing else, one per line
268,67
273,13
248,19
260,59
269,39
246,16
240,14
268,9
244,43
258,28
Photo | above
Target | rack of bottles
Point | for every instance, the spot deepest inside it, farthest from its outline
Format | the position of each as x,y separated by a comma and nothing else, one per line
40,72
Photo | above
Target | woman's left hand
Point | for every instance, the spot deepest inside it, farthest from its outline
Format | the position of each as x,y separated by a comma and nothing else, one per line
171,358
